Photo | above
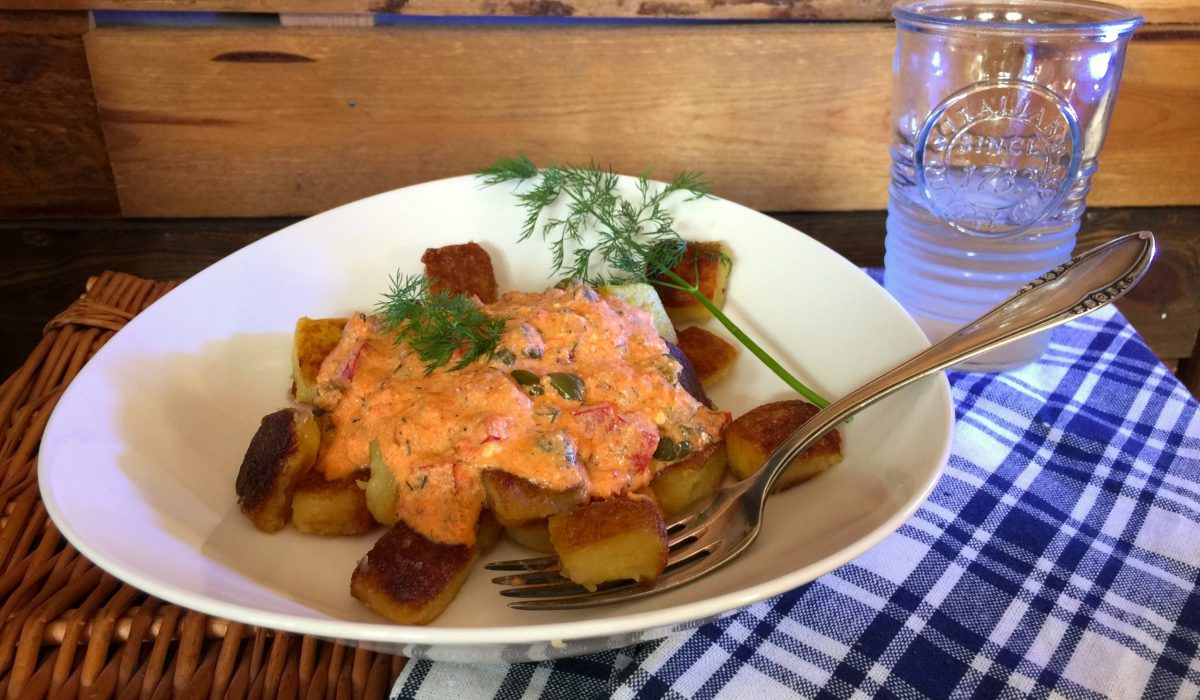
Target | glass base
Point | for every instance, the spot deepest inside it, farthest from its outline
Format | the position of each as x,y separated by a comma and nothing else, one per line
1012,355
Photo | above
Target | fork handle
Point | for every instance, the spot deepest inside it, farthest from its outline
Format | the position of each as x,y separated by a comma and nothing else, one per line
1075,288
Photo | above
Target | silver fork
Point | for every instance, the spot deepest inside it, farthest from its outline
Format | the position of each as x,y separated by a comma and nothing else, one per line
713,533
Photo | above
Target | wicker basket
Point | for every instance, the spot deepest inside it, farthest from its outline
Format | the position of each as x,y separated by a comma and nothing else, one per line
69,629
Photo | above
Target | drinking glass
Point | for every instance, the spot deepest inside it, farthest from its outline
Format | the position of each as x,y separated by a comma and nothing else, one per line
999,111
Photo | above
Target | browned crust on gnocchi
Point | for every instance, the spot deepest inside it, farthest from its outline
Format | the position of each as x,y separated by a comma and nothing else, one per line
693,479
611,540
706,266
751,437
409,579
461,269
710,354
282,450
516,501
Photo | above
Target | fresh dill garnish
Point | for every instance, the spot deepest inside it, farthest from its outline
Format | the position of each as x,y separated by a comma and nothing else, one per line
630,237
629,240
437,325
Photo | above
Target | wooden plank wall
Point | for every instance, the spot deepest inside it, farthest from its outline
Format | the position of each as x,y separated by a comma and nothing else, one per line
1157,11
52,154
269,120
781,117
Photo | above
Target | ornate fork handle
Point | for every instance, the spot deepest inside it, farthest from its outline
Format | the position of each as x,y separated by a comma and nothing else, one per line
709,535
1072,289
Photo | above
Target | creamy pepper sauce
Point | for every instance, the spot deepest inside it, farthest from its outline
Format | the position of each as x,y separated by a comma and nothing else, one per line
580,392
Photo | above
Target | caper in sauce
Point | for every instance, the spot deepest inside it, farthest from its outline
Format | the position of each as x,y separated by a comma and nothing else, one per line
568,386
530,382
668,450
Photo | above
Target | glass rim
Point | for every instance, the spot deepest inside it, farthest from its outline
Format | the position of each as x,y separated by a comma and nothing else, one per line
1075,16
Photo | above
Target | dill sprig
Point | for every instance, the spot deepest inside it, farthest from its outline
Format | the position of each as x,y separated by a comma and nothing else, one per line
629,236
632,240
437,325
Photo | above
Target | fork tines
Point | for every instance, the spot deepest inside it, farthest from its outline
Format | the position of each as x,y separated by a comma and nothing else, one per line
540,581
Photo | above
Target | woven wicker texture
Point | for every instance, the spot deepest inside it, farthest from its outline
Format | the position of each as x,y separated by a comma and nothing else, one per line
68,629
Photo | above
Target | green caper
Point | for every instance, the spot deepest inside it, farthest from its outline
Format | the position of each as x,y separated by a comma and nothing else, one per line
683,448
525,378
668,450
568,386
530,382
665,452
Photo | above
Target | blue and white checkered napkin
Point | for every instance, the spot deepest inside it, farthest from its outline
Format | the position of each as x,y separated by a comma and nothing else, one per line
1058,555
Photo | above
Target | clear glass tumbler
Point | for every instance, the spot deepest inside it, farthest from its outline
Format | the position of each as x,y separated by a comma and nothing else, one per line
999,110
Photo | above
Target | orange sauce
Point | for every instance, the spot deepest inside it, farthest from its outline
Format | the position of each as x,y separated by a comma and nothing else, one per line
580,391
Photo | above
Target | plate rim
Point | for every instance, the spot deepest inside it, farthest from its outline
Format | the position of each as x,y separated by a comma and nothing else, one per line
647,622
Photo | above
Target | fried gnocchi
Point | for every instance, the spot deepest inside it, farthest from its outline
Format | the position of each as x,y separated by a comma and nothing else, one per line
576,435
751,437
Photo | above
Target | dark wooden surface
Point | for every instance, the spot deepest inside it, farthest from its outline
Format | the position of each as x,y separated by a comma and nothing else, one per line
44,265
53,159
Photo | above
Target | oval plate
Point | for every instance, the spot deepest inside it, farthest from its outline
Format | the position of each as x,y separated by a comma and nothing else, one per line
139,459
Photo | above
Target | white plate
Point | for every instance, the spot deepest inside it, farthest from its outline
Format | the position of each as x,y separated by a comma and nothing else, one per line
139,459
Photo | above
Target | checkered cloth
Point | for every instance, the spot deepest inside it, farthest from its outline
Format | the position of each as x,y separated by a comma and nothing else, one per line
1057,556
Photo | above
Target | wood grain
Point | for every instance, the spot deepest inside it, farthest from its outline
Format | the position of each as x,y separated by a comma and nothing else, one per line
1154,10
53,160
44,265
282,121
1155,129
